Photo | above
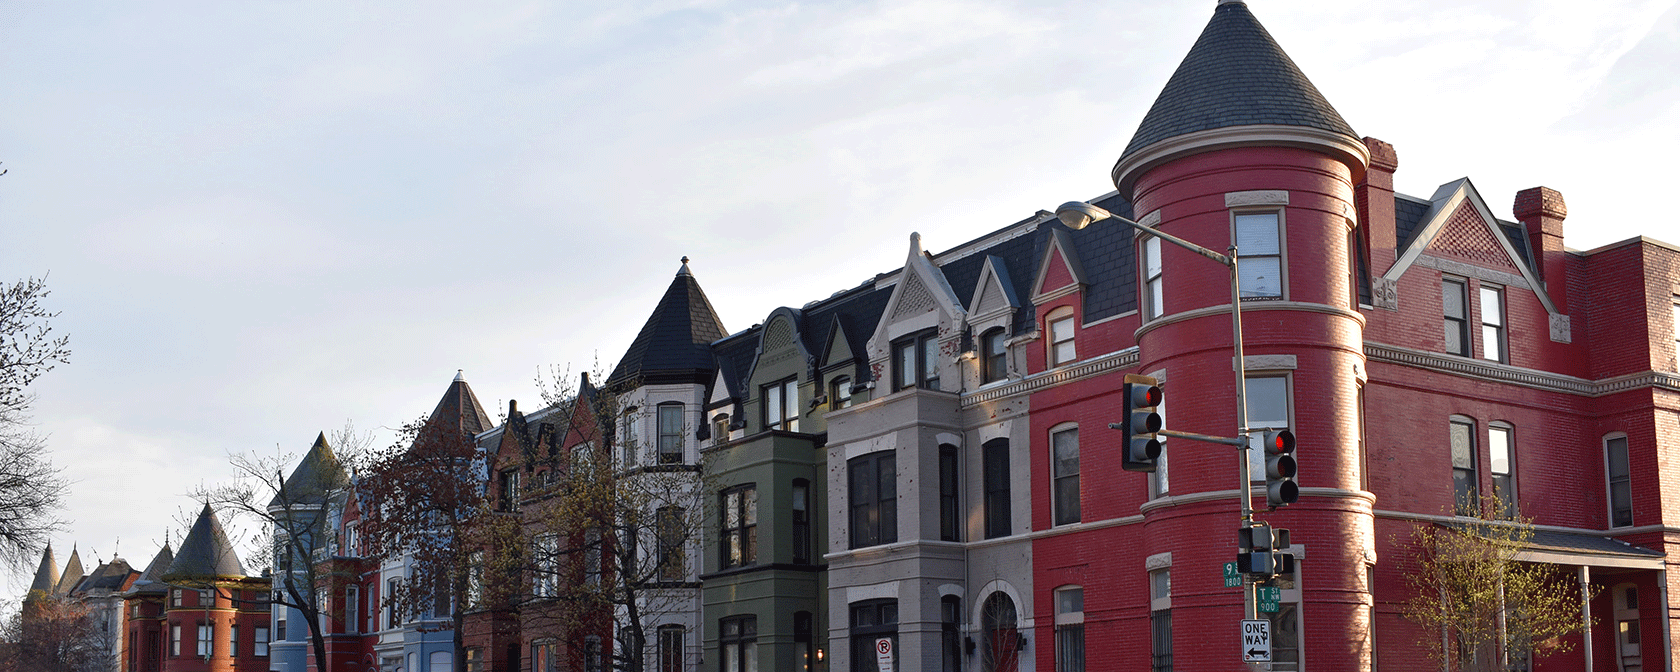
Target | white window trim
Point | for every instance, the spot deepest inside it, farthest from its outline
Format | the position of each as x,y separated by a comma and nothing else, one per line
1282,240
1609,499
1051,437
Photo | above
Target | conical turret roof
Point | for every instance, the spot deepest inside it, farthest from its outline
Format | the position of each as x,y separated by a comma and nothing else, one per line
459,408
674,346
1235,75
73,572
206,552
317,475
46,576
151,579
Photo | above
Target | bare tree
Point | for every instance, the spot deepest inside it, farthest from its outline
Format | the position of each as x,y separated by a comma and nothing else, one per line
30,487
55,634
1480,607
297,517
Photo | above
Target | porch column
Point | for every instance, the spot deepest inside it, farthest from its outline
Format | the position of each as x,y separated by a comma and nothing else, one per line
1586,615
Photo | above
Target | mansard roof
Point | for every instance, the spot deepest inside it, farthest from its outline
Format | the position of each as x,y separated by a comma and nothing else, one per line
317,475
459,408
674,345
206,552
46,576
1235,75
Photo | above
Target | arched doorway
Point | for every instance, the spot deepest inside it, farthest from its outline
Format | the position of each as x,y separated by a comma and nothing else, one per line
1002,642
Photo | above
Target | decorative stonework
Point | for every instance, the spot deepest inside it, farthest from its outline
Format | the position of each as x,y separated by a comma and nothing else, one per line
1157,561
1540,380
1385,293
1472,271
1151,220
1268,362
780,335
915,298
1124,359
1560,328
1234,199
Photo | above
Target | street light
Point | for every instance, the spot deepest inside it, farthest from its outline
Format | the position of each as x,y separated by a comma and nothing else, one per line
1078,215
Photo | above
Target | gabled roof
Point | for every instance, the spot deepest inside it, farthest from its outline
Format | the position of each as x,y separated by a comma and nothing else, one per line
674,345
317,475
459,408
1235,75
206,552
46,576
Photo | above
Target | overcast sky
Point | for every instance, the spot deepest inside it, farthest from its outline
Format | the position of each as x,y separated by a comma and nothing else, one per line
262,219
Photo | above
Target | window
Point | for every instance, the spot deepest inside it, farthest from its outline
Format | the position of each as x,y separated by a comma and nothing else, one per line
1675,327
175,639
1621,486
475,587
994,356
804,643
280,623
872,486
1259,255
592,653
1000,641
1160,621
994,457
801,521
545,656
1070,630
1466,483
390,610
916,361
233,640
475,659
1493,323
206,643
352,608
670,433
1502,454
592,556
205,598
1064,465
738,640
673,555
1268,407
510,490
670,649
1364,453
950,515
1359,267
1158,484
175,597
259,641
840,393
632,446
781,405
1153,304
872,620
740,525
1457,316
1061,339
545,561
720,428
950,634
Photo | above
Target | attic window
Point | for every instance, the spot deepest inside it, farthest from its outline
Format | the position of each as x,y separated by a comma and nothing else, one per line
994,356
840,393
1061,328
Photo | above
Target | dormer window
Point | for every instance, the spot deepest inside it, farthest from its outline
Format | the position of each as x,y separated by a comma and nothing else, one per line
840,393
994,356
720,428
781,405
916,361
1061,328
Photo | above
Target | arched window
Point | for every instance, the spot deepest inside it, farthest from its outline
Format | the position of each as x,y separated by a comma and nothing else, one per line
1001,641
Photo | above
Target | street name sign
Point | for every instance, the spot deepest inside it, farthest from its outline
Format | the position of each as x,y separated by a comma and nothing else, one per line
1256,641
1268,597
1233,579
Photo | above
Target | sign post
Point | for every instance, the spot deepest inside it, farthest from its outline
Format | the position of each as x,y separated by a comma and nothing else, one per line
1256,641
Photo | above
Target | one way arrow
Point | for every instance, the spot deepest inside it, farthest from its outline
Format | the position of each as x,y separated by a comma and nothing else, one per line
1256,653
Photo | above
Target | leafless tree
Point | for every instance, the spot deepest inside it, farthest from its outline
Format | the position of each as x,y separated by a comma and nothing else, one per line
31,488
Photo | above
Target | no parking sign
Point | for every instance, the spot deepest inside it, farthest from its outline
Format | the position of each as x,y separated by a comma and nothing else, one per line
884,654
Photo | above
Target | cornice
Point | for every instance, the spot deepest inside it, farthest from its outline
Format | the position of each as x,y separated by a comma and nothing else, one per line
1247,307
1123,359
1531,378
1337,145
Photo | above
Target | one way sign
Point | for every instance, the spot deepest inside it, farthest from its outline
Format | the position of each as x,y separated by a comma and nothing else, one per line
1257,641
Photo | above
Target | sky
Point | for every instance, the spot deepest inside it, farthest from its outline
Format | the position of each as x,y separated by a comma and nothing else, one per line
262,219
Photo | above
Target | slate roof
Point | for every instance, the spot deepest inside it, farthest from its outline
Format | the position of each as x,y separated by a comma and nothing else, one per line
460,408
1235,75
73,572
206,552
151,580
1408,218
674,345
317,475
46,576
1587,544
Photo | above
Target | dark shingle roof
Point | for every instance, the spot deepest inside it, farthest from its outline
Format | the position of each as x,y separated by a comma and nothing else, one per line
151,580
206,552
459,408
1408,218
1589,544
674,345
1235,75
46,576
316,476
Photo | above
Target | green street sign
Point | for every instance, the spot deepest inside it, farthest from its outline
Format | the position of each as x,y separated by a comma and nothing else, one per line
1268,598
1232,578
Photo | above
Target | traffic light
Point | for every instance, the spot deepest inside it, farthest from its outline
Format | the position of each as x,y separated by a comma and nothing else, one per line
1138,444
1262,551
1280,468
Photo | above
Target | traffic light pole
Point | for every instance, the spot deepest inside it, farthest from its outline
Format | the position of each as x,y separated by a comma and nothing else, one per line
1084,214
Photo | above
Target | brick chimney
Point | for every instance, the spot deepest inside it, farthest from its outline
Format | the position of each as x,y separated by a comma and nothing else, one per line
1374,197
1541,212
